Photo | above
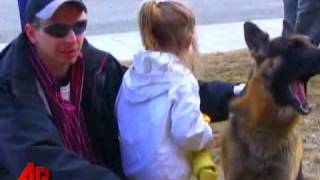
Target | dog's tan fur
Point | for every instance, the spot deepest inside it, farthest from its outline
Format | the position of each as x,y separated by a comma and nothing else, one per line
278,144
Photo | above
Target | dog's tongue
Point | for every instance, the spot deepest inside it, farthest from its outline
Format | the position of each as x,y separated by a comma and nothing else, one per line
298,91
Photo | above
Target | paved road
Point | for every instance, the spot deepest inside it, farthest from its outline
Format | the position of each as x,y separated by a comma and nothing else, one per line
111,16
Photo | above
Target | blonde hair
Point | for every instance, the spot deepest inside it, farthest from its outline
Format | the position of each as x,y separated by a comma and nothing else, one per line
169,26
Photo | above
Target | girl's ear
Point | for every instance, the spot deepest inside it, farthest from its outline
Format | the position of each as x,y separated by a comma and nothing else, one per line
30,32
191,43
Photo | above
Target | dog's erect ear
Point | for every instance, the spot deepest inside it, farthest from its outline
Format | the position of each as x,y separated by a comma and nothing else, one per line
287,29
256,40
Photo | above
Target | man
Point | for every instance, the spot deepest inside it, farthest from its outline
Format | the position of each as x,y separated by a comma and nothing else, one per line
57,96
38,123
304,16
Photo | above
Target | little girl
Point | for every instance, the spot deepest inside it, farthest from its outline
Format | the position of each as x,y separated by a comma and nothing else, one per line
158,105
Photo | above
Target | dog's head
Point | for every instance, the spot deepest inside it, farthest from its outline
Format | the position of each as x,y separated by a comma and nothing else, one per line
285,63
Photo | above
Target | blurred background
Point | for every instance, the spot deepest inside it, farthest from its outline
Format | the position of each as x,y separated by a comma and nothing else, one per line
116,16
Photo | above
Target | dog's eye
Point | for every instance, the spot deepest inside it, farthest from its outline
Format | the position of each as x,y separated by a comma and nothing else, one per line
314,42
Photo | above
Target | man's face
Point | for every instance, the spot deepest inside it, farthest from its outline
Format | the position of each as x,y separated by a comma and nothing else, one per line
60,51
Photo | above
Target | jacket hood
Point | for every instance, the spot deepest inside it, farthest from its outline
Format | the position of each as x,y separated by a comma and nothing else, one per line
151,74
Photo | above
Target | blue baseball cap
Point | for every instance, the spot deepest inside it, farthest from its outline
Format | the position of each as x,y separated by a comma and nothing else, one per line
44,9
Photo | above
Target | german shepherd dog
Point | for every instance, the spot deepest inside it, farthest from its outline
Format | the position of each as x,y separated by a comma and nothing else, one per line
260,141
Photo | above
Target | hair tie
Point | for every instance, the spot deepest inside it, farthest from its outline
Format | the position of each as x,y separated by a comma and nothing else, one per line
160,1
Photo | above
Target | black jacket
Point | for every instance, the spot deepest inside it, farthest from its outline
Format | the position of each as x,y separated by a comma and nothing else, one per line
27,132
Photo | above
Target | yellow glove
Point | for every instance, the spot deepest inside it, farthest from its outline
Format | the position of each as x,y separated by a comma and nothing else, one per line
202,164
206,118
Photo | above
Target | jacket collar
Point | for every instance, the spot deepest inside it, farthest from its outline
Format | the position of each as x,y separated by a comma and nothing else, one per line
23,82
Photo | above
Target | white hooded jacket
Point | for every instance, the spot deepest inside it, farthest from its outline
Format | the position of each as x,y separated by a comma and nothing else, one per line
158,111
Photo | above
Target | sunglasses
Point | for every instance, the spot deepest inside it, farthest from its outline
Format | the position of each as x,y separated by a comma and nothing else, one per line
61,30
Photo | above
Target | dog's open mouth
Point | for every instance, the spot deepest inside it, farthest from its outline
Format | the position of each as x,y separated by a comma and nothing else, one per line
298,90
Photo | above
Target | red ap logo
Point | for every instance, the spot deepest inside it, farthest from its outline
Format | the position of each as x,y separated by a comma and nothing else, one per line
31,172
